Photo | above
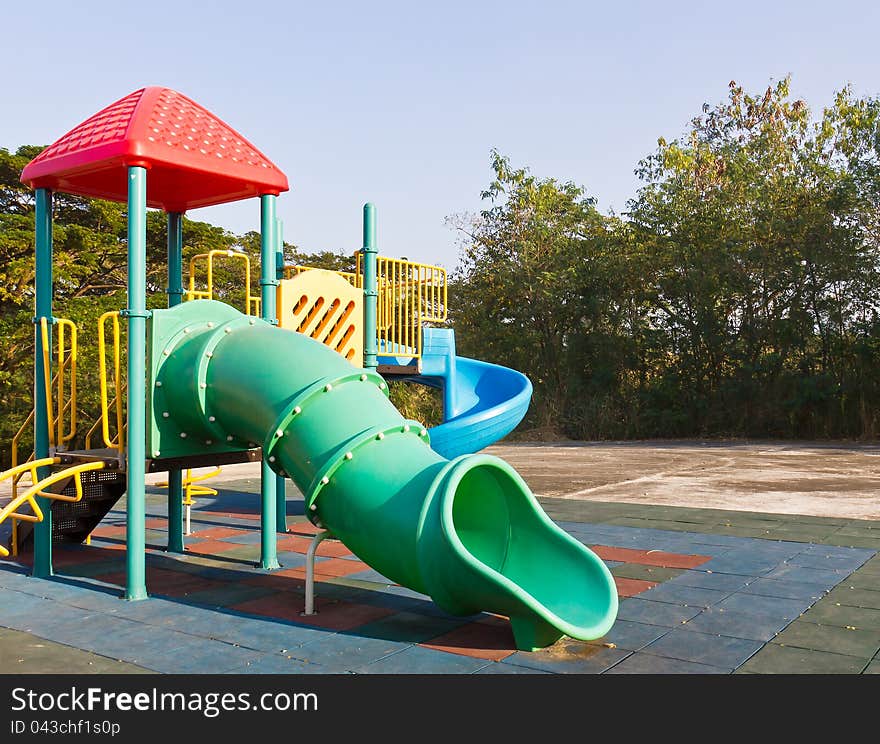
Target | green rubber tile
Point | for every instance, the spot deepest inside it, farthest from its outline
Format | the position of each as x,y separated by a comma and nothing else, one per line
23,653
863,644
862,579
852,541
830,613
755,522
739,531
853,596
802,536
872,668
646,573
775,659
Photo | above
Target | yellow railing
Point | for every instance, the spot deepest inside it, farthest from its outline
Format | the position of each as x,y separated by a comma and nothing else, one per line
252,302
410,294
117,442
63,382
11,510
353,278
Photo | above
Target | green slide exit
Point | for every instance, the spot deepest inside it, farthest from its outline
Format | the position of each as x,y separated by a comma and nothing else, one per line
467,532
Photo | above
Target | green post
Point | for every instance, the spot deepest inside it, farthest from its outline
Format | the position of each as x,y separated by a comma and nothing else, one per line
280,480
175,297
268,520
135,554
43,309
371,291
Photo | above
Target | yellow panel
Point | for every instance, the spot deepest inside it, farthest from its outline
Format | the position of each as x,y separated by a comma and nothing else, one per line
323,305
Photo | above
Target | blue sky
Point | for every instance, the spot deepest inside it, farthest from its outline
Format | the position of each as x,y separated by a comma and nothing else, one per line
400,103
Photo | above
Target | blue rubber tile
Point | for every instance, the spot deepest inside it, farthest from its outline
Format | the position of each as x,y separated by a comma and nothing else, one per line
817,559
741,564
44,624
828,577
409,627
655,613
291,559
97,632
260,633
632,636
141,644
596,660
200,656
787,609
370,575
251,538
277,664
12,577
347,653
690,596
736,624
421,660
724,652
498,668
784,589
642,663
716,581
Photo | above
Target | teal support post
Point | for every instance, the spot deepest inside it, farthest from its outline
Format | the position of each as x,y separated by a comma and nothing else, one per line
175,297
280,480
135,554
268,283
371,291
43,309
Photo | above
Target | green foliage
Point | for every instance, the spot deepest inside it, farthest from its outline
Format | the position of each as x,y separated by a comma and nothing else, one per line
737,297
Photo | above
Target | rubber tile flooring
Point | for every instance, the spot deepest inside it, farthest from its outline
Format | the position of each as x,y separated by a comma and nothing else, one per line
694,598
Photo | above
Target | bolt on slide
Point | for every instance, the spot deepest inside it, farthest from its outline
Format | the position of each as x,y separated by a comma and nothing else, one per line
468,532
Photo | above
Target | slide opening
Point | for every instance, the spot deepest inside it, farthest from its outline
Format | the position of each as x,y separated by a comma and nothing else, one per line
503,528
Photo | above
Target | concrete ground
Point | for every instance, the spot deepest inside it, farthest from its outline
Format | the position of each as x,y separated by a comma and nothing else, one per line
729,557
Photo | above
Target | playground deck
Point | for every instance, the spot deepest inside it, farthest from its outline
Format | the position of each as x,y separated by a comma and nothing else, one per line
727,589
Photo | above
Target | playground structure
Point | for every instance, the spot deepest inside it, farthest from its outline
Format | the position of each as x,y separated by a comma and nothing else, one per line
296,379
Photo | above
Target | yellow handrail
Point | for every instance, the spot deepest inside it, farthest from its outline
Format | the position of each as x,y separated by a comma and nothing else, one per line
119,442
38,489
57,410
64,361
252,303
15,474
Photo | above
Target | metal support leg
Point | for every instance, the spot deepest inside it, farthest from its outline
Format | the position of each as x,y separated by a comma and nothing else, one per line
310,570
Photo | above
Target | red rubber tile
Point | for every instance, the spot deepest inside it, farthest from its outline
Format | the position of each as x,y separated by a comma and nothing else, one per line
631,587
649,557
331,567
217,533
673,560
331,615
109,531
303,528
211,547
481,640
300,544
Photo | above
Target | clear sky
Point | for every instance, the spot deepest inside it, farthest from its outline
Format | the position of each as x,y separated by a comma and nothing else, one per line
400,103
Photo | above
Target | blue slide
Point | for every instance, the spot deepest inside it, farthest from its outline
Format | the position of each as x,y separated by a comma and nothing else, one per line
482,402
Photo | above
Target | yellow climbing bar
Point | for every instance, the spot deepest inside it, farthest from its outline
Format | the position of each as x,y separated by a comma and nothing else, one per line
117,443
64,405
252,303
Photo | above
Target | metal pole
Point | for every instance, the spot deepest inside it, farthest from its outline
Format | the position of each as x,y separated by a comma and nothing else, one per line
135,555
268,521
371,292
310,570
175,297
280,480
43,309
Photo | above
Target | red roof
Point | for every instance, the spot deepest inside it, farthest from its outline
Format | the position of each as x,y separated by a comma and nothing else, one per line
194,158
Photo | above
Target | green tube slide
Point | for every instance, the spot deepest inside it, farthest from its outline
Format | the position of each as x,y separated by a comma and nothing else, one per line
468,532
